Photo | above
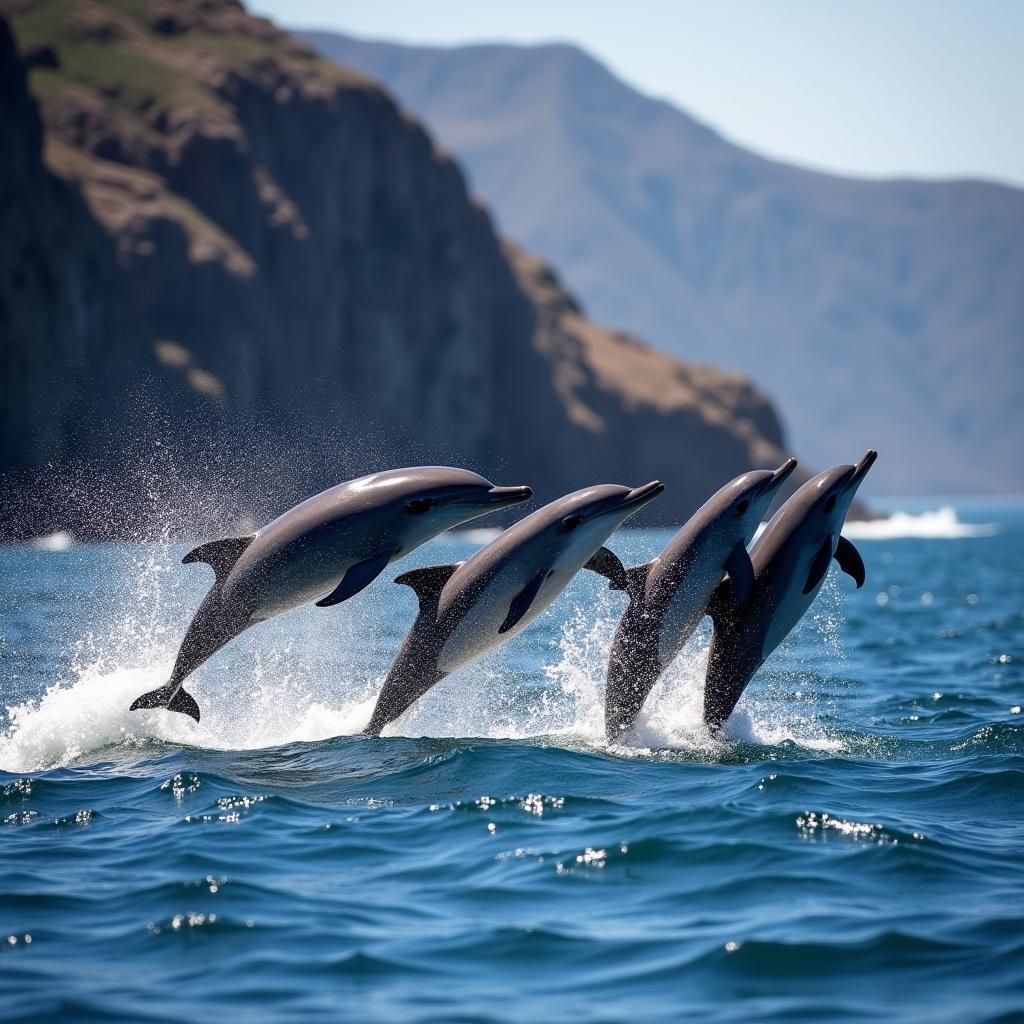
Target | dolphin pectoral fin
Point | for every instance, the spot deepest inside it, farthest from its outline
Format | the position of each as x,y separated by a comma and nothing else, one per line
819,565
741,572
428,582
850,562
360,575
172,697
220,555
606,563
522,601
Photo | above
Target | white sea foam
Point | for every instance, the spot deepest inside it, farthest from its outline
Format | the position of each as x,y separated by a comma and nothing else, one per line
59,541
479,535
490,701
299,684
85,718
940,524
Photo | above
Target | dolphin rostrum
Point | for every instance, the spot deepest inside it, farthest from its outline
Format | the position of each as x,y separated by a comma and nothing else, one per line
332,544
790,561
669,596
470,608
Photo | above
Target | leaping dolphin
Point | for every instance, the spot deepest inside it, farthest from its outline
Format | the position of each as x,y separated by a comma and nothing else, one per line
470,608
347,533
669,596
790,561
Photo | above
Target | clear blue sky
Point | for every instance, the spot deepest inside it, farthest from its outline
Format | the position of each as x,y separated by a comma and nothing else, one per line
931,88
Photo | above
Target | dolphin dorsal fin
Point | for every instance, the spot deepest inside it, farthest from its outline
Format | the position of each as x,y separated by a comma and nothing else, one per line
220,555
428,582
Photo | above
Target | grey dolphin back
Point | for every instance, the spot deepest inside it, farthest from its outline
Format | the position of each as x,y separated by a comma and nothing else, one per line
730,667
670,595
508,575
633,669
351,531
731,662
790,562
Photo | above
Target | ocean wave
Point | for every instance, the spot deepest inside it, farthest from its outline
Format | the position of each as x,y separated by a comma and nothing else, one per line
89,716
940,524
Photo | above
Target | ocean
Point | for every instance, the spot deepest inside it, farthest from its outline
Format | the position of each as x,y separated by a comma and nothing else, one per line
851,849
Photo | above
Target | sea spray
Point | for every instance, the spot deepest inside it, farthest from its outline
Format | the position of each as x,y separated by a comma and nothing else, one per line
315,674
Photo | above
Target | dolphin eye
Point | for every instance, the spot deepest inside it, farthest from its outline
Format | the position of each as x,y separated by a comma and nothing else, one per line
569,523
830,503
741,508
417,506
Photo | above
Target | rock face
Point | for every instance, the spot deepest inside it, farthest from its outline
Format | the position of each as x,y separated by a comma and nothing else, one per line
239,274
54,268
878,313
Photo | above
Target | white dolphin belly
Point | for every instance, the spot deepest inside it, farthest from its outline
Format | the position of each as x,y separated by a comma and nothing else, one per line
790,610
476,632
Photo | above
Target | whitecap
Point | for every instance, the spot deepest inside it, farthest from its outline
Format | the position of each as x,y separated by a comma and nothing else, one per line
72,721
939,524
59,541
479,535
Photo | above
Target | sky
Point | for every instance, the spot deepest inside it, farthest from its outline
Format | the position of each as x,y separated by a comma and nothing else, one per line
879,88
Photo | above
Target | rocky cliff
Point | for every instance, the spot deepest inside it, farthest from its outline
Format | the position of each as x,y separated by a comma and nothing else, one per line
232,273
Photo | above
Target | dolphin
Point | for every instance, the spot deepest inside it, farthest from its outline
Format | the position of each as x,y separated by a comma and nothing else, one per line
348,533
469,608
669,596
790,561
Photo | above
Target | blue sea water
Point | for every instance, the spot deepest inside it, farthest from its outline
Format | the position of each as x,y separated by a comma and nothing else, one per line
850,850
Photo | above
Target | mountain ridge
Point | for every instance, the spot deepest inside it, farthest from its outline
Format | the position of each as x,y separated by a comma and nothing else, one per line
905,293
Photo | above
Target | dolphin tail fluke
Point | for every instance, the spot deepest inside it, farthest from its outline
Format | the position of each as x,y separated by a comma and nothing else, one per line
172,697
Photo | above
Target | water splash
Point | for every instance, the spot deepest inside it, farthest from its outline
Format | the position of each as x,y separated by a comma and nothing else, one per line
310,677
